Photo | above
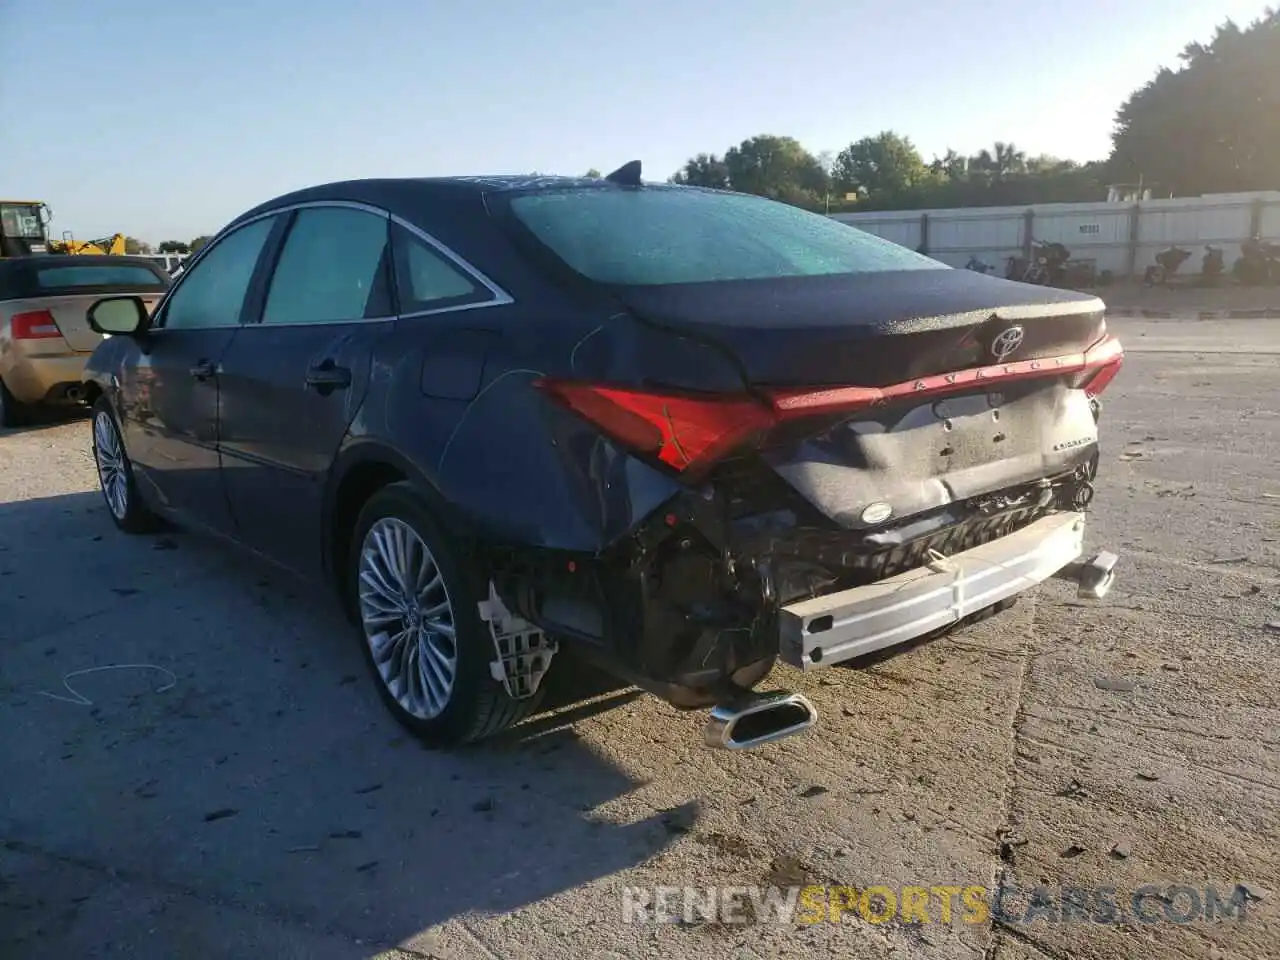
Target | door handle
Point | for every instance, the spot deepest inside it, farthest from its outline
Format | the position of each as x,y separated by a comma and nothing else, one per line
203,369
327,375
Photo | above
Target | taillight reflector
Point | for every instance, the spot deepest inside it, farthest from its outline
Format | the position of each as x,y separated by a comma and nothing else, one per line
33,325
684,432
1100,362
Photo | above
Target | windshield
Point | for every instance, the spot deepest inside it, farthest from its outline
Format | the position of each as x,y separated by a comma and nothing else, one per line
21,220
667,235
130,276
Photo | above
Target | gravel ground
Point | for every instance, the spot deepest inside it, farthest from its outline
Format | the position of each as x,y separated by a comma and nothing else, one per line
262,803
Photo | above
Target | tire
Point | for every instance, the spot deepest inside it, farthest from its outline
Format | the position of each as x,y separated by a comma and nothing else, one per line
12,412
472,705
115,475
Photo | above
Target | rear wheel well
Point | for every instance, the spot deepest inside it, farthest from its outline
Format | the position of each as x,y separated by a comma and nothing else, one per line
91,393
354,491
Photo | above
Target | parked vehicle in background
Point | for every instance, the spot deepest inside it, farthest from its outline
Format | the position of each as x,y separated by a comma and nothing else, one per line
24,228
978,266
114,245
1167,263
687,432
1047,266
1258,264
45,338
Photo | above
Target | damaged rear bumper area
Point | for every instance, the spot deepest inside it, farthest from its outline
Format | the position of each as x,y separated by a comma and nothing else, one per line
852,623
707,594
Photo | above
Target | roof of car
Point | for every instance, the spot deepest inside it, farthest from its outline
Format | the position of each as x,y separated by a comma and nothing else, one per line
389,192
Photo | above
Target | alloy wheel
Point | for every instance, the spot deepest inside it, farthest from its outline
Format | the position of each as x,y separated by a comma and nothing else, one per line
407,618
112,470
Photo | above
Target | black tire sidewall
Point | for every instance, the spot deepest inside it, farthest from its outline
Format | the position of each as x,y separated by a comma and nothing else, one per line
138,518
474,687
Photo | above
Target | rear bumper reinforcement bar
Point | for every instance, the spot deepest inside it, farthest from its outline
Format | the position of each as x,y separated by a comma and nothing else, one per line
851,623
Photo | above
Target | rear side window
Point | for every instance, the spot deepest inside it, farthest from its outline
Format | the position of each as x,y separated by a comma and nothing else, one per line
428,280
666,235
333,269
70,279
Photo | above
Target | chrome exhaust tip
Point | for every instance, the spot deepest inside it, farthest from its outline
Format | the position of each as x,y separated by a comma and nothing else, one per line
758,718
1098,576
1094,577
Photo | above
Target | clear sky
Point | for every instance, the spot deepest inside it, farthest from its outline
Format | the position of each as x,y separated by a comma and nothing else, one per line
163,119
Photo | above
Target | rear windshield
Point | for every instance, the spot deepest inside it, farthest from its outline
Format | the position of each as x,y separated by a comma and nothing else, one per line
666,235
68,279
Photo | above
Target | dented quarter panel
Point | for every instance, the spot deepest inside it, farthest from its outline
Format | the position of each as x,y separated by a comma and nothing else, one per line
518,468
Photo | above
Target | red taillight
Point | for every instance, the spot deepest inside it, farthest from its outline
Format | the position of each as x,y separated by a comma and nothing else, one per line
35,325
689,433
686,433
1102,362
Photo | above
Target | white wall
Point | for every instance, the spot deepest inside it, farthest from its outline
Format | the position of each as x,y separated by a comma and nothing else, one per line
1106,233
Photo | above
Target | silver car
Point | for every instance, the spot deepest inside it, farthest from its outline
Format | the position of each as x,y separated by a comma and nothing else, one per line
45,337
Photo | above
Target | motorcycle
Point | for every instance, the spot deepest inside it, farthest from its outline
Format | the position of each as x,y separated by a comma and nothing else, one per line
1047,264
1166,265
1259,262
1211,265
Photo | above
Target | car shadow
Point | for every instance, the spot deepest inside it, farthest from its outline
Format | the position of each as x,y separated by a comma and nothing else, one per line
204,726
43,417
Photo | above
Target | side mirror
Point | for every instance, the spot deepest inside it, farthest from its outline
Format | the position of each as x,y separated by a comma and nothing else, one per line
119,316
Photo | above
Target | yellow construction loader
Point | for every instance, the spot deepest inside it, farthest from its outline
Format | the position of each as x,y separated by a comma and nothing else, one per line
24,230
112,245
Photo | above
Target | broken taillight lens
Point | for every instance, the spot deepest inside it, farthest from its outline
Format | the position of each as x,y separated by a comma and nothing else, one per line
33,325
687,433
690,432
1102,362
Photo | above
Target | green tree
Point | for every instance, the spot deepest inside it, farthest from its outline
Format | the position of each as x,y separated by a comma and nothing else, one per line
951,167
1213,124
1005,161
704,170
173,246
133,245
195,245
778,168
593,174
883,166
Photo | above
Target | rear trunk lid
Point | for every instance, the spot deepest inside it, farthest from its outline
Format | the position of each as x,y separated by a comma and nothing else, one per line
937,431
70,313
872,329
66,286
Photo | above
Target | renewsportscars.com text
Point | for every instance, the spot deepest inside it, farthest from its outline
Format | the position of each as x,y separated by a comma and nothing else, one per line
946,904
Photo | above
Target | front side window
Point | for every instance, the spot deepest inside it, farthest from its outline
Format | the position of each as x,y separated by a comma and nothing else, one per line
332,269
668,235
213,291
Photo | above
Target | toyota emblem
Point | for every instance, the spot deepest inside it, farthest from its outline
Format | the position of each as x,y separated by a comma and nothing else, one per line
1006,342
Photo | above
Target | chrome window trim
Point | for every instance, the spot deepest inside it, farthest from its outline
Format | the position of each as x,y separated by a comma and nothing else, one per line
186,272
314,323
500,297
458,309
